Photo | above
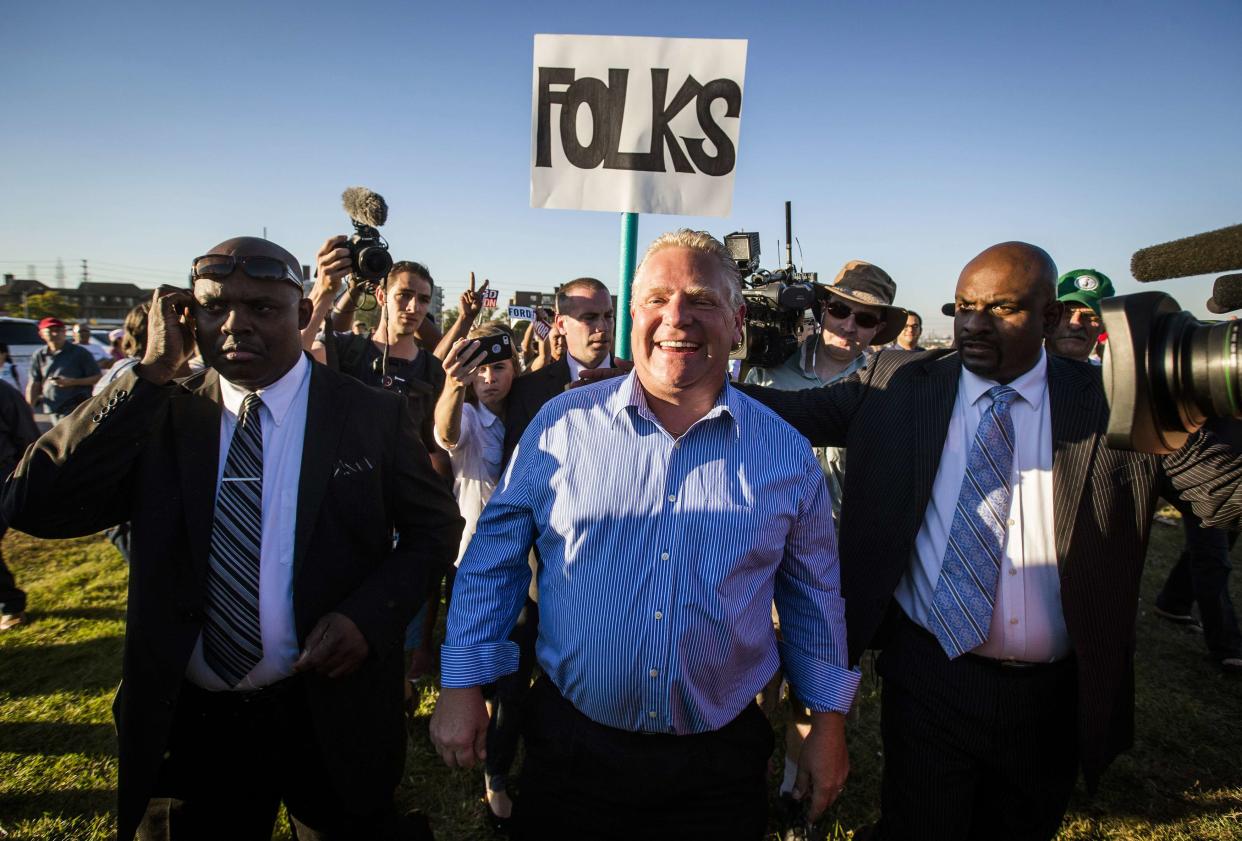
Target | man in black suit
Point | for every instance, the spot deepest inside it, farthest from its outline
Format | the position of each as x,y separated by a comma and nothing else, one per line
266,598
584,316
993,696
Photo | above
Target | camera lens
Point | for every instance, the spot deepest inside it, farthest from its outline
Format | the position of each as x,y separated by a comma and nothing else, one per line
1196,365
374,262
1166,373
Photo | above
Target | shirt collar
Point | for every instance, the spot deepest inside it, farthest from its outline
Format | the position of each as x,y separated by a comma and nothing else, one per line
806,361
277,397
486,416
1031,386
575,367
632,396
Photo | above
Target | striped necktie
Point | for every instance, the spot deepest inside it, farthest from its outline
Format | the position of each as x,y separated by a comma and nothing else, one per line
961,610
232,641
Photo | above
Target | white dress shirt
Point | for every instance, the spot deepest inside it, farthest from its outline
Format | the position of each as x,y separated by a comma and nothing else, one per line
1027,622
575,367
283,418
476,461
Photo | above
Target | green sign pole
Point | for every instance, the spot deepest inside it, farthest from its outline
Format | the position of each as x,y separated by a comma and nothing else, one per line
629,248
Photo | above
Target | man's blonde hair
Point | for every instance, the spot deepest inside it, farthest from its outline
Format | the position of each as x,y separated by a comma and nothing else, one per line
704,243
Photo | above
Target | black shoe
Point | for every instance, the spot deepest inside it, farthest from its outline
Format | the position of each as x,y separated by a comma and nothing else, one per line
1177,617
792,820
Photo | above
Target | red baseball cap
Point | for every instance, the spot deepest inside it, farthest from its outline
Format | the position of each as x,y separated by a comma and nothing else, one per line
51,322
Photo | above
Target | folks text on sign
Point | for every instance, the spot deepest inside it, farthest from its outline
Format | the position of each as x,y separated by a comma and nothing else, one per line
640,125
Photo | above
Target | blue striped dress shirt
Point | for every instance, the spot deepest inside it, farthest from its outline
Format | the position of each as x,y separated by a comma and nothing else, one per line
659,561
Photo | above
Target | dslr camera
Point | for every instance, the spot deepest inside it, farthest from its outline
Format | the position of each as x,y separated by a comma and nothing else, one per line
1165,372
367,249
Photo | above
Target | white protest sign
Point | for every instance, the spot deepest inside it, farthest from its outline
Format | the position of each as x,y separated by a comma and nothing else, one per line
521,314
636,125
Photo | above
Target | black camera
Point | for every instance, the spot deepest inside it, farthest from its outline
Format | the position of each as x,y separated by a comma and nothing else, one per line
1165,372
775,300
367,249
369,252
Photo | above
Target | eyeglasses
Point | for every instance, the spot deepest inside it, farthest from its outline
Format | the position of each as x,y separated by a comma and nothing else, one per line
220,266
840,311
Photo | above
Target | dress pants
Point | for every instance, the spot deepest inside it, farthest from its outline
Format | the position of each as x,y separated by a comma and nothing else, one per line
12,597
1202,576
973,749
232,760
508,696
584,781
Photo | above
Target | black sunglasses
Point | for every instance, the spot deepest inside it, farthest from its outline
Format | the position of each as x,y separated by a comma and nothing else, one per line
220,266
840,311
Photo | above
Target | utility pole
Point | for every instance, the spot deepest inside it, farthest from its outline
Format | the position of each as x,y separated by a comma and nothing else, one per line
60,272
85,275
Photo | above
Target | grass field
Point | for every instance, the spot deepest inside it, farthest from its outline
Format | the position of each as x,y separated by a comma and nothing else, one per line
1183,780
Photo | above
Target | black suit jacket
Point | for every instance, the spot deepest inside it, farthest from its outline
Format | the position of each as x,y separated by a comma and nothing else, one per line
526,398
892,418
149,454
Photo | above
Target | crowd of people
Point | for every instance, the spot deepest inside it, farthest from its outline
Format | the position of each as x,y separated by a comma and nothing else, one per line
645,561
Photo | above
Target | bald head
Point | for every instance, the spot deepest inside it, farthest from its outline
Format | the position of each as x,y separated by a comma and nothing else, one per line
1017,260
257,247
1005,305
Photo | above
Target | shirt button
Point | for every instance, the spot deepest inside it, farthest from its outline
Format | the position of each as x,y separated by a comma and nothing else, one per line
654,673
652,714
672,497
659,614
1013,571
1011,522
1013,621
664,556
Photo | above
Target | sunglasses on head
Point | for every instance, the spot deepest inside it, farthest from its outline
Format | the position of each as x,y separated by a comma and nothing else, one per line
841,312
220,266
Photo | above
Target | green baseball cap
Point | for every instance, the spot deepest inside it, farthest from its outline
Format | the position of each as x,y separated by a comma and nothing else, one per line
1085,286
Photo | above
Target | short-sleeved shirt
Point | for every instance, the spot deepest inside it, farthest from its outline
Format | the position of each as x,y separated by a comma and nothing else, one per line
69,361
477,460
420,379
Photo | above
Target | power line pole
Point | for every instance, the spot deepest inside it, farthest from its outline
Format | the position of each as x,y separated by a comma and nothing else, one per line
60,273
85,274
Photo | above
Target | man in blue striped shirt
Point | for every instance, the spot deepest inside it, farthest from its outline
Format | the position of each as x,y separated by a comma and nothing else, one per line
668,510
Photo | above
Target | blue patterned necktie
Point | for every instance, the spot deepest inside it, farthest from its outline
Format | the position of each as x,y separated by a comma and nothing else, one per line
232,641
961,610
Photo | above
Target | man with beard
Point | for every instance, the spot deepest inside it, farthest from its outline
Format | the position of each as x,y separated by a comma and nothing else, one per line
390,358
1079,327
992,546
267,596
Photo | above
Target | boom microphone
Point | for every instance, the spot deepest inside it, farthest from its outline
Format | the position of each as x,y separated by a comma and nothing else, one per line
1215,251
369,207
1226,294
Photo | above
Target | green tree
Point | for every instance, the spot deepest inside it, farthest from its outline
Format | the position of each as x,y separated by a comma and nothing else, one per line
50,303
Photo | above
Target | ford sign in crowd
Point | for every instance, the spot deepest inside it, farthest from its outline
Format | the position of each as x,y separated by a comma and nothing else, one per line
645,561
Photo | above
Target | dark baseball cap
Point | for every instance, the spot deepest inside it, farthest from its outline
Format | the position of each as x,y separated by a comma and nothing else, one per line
1084,286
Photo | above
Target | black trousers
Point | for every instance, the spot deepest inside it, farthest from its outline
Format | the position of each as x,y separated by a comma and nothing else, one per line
1202,576
231,761
12,597
972,749
508,697
584,781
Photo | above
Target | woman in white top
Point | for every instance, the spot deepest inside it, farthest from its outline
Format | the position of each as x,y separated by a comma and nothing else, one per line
469,424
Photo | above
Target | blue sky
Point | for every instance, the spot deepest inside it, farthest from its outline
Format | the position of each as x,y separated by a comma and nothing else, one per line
912,135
